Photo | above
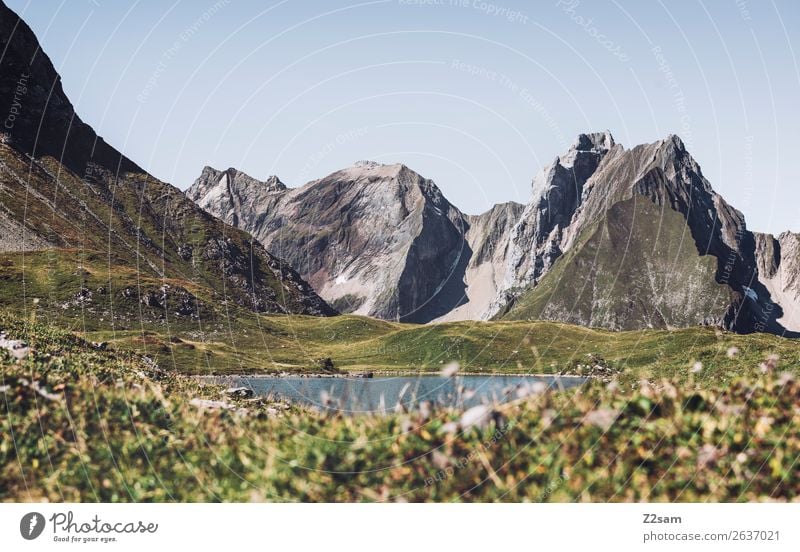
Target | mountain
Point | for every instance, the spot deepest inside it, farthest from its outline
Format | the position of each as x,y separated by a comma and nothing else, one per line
612,237
373,239
86,231
628,239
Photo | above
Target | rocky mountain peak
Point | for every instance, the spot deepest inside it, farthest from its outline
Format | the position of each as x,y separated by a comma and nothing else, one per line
580,161
582,157
598,142
371,171
235,177
674,141
676,161
366,164
226,191
634,208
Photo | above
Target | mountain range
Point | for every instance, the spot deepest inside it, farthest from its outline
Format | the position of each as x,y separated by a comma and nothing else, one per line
612,237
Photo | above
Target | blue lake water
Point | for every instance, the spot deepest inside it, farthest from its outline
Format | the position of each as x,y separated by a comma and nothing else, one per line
382,394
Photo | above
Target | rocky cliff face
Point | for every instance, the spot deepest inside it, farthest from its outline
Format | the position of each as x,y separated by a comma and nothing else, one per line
488,238
538,237
62,187
779,272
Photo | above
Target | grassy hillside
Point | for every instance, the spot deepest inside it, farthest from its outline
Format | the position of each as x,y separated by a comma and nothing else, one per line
84,424
637,267
119,230
185,327
263,344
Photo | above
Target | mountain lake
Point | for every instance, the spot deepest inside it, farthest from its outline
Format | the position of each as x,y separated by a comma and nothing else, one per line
355,395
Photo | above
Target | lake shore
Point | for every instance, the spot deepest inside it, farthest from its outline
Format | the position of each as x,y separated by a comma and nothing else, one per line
398,373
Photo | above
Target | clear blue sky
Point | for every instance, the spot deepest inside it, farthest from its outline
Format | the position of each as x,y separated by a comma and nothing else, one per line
474,94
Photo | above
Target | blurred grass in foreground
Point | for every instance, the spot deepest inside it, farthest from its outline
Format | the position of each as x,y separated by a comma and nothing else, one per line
84,424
